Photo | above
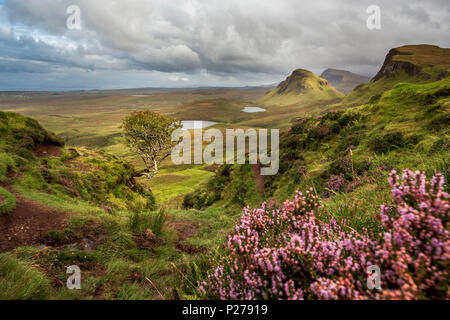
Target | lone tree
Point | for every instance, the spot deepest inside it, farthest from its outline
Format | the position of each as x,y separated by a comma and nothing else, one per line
150,135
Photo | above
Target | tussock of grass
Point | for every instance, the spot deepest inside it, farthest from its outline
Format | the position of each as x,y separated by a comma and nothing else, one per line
155,221
7,201
20,281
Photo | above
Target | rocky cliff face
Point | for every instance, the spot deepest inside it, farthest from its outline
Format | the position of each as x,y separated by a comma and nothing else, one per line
411,63
391,67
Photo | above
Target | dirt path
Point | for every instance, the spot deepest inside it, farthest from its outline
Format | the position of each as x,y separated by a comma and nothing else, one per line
45,150
258,178
28,222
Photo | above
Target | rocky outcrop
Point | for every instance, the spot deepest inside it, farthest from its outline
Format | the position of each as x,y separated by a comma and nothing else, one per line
391,67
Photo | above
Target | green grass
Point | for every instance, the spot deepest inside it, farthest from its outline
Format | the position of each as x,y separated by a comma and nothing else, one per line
407,127
7,164
20,281
118,265
7,201
154,221
174,182
81,182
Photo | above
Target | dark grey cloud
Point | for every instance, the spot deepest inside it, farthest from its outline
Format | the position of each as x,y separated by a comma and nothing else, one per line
205,42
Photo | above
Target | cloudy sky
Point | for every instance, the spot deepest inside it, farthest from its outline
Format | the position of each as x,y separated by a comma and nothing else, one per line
183,43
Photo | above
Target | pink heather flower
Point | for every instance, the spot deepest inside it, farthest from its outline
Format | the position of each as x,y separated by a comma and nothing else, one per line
286,252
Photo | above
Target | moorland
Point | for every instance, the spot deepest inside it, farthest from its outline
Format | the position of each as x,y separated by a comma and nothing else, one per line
69,194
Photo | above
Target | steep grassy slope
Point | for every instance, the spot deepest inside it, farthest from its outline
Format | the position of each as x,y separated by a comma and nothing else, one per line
87,175
343,158
407,128
344,81
20,136
105,224
346,156
412,63
301,87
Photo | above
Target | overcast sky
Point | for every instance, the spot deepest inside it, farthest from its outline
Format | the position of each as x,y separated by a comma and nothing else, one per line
182,43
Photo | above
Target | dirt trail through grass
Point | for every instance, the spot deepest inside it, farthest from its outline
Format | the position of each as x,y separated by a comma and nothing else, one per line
28,223
258,178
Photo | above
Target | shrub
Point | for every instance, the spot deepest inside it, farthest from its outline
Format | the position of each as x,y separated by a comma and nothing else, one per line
342,166
374,98
7,201
155,221
349,141
431,110
301,126
212,191
383,143
319,132
442,143
235,184
56,237
332,116
348,119
439,122
287,252
188,201
6,165
336,183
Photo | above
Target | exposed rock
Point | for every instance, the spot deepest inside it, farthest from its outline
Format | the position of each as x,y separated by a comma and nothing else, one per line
391,67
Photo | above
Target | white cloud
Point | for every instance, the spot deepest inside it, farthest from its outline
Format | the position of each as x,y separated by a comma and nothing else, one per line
233,41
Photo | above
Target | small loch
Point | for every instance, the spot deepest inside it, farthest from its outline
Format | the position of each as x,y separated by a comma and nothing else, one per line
253,109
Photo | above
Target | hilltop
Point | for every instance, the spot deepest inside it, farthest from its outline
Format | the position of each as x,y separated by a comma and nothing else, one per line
302,86
344,81
412,63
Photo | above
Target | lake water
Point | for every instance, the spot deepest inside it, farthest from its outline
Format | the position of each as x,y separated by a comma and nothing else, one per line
253,109
141,95
196,124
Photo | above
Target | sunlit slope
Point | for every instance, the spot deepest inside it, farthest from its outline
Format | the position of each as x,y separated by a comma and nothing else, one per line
347,155
301,87
412,63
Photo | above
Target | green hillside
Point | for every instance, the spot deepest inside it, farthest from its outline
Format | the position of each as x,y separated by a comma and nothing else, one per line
412,63
301,87
90,176
347,155
62,206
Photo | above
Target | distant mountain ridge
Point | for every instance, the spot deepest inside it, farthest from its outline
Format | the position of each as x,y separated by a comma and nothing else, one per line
302,86
343,80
